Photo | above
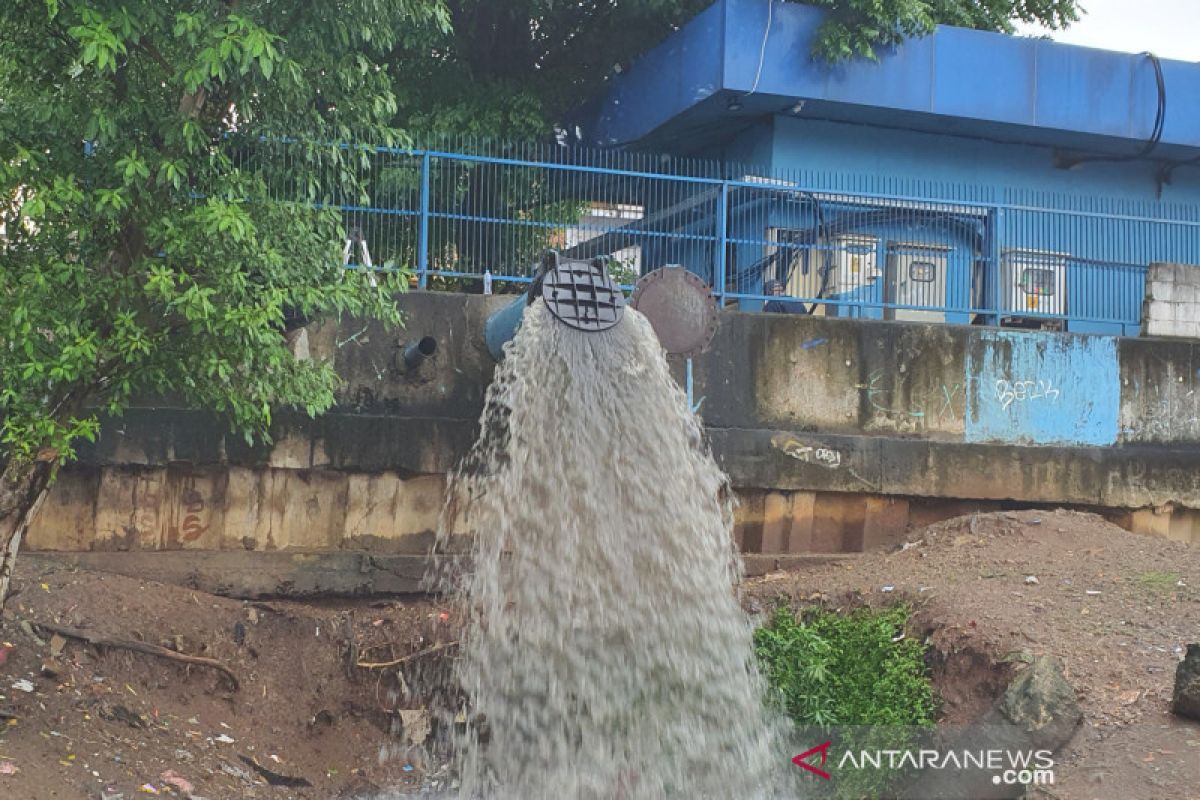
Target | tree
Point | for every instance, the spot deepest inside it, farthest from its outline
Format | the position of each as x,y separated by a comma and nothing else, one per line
156,226
517,68
858,28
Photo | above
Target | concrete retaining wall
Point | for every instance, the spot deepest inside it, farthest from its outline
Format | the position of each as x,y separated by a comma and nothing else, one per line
833,431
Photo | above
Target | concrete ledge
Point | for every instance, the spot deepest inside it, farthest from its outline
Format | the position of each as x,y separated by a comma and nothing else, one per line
251,575
256,575
1117,477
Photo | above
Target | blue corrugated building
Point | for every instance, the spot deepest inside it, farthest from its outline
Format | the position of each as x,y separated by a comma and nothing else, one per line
964,177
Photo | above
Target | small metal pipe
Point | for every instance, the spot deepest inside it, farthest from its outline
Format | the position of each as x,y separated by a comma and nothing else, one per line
416,352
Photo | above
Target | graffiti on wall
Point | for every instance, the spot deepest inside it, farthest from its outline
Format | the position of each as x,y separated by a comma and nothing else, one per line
1042,388
1009,391
888,395
807,453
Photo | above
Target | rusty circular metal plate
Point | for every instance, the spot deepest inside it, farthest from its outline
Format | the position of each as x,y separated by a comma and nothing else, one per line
681,309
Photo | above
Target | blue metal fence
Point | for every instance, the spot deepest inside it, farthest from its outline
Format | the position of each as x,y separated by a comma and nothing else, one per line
808,242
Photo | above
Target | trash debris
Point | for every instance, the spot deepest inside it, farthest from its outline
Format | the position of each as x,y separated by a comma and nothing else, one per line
173,778
120,713
224,738
239,634
888,588
8,768
237,772
273,778
23,686
148,788
1092,592
1032,580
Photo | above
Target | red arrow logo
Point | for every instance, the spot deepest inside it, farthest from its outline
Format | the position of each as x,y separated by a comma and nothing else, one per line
802,759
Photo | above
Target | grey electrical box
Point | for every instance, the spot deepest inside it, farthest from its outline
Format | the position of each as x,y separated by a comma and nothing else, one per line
1033,282
916,275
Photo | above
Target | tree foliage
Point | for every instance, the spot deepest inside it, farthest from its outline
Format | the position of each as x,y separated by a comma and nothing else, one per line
157,225
144,251
514,69
860,28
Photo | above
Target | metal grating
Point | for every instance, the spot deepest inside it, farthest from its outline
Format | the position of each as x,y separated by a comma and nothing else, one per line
582,295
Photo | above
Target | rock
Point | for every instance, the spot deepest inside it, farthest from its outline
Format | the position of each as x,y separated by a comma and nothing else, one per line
1186,700
1040,701
1037,712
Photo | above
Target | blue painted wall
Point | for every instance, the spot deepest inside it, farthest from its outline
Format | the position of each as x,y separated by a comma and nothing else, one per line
1042,389
958,80
915,158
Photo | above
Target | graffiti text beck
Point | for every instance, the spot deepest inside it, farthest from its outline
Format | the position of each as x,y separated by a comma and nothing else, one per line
1009,392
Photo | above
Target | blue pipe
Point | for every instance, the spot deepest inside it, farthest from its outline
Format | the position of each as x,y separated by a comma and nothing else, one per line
502,325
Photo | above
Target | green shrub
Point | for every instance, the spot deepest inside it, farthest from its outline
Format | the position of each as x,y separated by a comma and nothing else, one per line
854,671
825,668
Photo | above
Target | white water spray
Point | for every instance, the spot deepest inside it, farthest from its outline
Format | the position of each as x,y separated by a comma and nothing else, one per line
604,656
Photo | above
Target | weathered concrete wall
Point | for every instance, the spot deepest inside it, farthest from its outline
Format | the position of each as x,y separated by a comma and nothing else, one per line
948,383
226,507
833,431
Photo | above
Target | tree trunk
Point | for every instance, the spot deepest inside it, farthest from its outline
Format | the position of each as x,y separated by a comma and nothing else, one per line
23,487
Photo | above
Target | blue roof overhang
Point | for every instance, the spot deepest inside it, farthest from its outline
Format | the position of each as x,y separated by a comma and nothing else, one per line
707,81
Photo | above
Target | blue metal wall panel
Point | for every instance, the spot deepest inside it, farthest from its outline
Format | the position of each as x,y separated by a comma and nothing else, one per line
976,83
1042,389
1070,80
686,70
979,75
883,152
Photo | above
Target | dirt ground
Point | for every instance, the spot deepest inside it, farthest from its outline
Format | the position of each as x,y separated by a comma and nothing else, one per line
108,722
105,722
991,590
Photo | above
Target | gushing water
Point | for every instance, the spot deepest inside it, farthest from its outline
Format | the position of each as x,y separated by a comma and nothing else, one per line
605,654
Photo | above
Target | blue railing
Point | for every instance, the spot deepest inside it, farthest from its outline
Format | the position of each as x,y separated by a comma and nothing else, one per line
810,242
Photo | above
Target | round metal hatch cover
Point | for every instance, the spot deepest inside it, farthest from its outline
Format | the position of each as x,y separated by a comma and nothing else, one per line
681,309
582,295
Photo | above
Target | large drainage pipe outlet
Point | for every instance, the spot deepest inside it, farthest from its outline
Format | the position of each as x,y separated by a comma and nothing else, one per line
416,352
580,294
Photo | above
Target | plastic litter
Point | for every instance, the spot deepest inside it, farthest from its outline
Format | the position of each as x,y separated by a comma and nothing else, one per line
173,778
